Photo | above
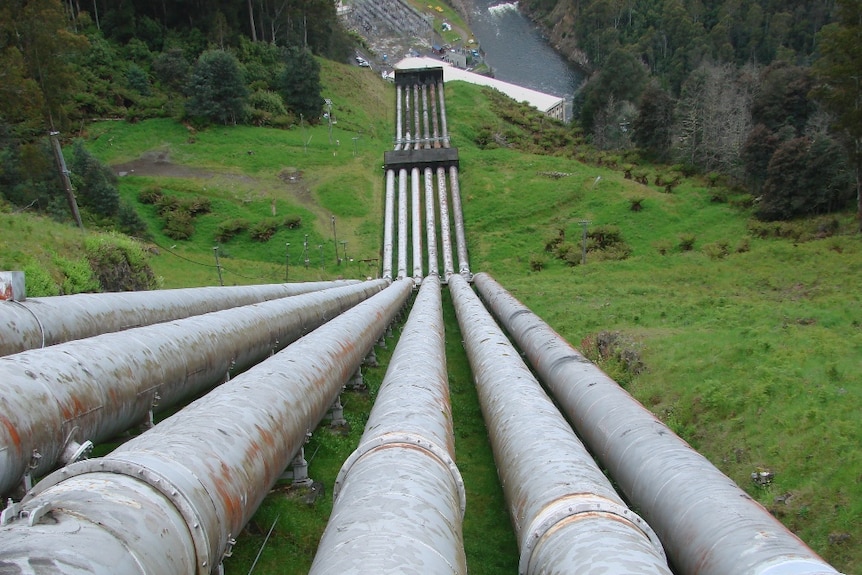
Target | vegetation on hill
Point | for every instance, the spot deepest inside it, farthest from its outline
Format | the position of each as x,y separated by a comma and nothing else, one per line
756,91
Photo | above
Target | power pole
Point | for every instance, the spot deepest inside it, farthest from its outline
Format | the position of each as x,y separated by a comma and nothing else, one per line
335,240
64,175
584,223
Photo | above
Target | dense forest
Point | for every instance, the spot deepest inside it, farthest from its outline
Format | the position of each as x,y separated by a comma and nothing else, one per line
764,95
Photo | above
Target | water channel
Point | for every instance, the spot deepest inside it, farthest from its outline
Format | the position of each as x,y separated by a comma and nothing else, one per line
517,52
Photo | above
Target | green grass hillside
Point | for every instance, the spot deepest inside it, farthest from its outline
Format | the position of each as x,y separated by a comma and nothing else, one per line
745,338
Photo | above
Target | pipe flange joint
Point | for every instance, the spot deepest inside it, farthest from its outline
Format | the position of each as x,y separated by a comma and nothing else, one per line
412,439
577,504
174,483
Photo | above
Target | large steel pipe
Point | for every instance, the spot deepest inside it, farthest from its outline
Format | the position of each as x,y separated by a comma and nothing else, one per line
425,113
430,222
417,130
709,526
56,399
45,321
444,128
445,230
398,131
434,121
399,498
388,223
416,224
566,515
402,223
172,500
458,217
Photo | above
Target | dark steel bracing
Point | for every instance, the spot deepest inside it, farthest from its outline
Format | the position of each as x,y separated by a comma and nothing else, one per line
399,498
171,501
58,398
708,525
44,321
566,515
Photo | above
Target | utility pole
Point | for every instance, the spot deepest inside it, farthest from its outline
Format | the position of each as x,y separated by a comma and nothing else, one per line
584,223
335,239
322,263
286,261
305,251
64,175
328,116
218,266
344,249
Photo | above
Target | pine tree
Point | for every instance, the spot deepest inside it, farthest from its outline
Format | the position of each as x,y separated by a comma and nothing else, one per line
217,89
300,82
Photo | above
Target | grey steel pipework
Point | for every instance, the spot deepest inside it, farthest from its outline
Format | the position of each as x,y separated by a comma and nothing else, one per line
440,91
45,321
416,222
445,233
709,526
417,128
55,399
458,217
566,515
402,223
399,499
388,223
213,462
407,137
430,222
425,116
398,129
434,122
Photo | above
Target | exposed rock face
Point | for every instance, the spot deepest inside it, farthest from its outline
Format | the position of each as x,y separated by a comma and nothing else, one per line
559,25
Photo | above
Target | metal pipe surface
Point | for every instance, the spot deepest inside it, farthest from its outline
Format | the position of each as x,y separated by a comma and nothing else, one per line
416,112
399,498
440,91
425,112
709,526
213,462
388,224
398,129
95,388
458,217
402,223
566,515
434,121
45,321
416,222
430,222
445,233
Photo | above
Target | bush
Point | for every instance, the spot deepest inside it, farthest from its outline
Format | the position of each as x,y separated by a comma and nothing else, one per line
227,230
78,276
119,264
686,242
178,225
39,282
538,262
292,222
130,223
717,250
263,230
150,195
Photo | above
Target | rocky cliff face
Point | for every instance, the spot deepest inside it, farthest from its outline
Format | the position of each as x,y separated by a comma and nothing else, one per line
559,25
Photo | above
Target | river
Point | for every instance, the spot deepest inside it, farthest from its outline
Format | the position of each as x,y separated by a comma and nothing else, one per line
517,52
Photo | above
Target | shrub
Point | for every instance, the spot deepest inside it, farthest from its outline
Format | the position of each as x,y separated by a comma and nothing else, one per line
663,247
264,229
686,242
538,262
39,282
292,222
636,204
78,277
178,225
150,195
227,230
119,264
129,222
716,250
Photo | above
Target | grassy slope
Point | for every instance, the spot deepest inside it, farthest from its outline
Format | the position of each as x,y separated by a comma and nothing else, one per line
753,358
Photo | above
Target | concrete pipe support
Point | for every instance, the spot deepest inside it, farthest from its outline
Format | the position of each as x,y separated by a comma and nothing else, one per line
566,515
172,500
709,526
399,498
57,399
45,321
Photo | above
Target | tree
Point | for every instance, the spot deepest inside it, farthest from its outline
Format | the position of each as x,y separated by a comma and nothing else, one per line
96,184
757,150
300,82
217,88
652,126
839,82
